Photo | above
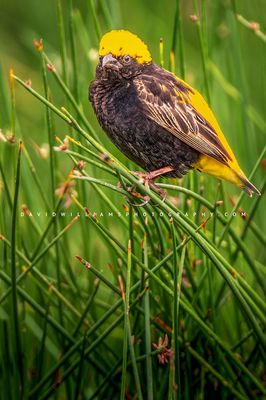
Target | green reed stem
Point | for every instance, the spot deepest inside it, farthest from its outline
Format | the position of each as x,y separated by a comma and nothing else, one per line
62,41
201,21
148,359
16,325
184,223
178,39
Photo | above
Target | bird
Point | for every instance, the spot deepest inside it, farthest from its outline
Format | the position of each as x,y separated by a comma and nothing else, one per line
157,119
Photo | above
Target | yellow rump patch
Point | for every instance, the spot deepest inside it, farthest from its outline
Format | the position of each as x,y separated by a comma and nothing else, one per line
121,43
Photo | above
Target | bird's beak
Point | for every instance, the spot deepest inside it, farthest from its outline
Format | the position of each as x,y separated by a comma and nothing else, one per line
110,62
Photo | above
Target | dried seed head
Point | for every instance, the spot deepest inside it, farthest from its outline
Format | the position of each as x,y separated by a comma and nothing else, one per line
64,146
65,189
125,207
196,262
166,354
11,138
25,209
38,44
76,173
105,157
254,26
51,67
87,212
111,268
81,164
42,151
193,18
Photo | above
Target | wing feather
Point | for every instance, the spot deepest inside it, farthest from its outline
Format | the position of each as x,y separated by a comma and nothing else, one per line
166,102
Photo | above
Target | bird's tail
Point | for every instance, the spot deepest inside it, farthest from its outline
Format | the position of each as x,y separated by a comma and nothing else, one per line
247,186
230,173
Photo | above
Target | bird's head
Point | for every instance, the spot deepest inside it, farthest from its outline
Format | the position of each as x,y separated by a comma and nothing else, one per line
122,55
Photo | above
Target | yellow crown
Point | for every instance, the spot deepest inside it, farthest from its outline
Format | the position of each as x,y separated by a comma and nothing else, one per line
121,43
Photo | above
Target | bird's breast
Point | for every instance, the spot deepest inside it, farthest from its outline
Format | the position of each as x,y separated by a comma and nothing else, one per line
115,105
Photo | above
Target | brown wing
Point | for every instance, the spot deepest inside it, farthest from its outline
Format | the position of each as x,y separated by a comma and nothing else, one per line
166,101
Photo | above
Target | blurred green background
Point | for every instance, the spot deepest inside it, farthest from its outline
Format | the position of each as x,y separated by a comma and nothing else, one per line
236,74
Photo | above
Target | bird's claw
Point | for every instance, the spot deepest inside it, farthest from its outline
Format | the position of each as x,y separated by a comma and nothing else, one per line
149,183
162,193
145,201
148,180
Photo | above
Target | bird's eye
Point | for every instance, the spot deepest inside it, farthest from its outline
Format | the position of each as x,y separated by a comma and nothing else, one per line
126,59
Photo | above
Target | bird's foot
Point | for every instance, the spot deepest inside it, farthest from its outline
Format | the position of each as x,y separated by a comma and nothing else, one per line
137,195
148,179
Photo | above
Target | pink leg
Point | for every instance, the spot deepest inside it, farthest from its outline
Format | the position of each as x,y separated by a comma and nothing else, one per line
148,179
151,176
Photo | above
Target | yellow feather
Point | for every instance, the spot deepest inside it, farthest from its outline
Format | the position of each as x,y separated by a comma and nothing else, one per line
231,173
121,43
